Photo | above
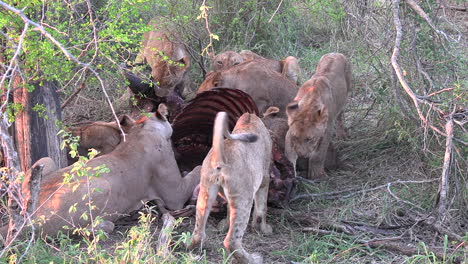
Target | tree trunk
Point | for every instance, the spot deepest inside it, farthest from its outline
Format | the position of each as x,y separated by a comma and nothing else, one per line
43,126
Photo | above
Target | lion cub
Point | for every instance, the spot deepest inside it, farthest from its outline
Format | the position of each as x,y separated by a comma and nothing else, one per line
316,110
239,168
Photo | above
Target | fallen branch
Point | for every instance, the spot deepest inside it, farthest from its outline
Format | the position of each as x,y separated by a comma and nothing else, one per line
165,235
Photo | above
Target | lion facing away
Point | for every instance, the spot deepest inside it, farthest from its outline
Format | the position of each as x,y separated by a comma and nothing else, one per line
239,167
265,86
316,109
288,67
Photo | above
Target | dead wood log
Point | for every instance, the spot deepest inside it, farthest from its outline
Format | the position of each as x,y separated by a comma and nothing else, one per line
21,205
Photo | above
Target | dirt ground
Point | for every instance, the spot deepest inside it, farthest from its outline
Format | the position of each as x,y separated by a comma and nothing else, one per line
354,215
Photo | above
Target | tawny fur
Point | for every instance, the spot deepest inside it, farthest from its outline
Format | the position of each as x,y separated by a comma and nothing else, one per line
277,125
239,168
226,60
142,168
265,86
167,57
317,108
102,136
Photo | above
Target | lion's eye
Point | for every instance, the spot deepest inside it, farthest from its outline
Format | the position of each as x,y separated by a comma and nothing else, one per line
220,62
236,63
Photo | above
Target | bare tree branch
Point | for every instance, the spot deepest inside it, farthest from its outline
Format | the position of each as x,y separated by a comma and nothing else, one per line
426,17
444,179
279,5
66,53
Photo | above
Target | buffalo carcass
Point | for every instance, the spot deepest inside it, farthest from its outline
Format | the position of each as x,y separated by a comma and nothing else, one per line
193,130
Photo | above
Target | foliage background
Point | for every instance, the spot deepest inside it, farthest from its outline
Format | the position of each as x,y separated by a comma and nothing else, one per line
109,36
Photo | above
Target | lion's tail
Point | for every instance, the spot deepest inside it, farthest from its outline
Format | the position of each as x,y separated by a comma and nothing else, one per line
220,130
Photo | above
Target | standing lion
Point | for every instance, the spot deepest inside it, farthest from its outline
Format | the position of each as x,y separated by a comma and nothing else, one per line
238,167
316,110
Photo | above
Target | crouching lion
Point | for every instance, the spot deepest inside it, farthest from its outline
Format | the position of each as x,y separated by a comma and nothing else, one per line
317,108
140,169
239,166
167,56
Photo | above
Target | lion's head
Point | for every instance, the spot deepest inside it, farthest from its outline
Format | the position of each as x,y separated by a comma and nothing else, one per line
308,122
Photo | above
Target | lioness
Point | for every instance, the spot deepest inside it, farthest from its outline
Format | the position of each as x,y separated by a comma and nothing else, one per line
102,136
288,67
239,166
142,168
265,86
167,57
226,60
318,105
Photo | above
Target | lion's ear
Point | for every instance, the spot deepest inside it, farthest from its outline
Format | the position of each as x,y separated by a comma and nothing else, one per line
162,112
185,61
272,110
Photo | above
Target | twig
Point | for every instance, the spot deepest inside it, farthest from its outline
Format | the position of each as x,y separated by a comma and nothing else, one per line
279,5
204,15
424,16
394,60
77,91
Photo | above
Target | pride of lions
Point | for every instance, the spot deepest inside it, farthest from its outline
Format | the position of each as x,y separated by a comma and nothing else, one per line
302,121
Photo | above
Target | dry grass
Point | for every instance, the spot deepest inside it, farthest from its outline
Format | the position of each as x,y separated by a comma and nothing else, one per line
373,155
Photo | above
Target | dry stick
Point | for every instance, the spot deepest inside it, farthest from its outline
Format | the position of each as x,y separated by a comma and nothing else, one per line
444,179
67,54
165,234
204,15
424,16
77,91
279,5
394,60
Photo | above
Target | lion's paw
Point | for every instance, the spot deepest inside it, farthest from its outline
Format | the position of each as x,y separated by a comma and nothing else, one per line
257,258
266,229
223,225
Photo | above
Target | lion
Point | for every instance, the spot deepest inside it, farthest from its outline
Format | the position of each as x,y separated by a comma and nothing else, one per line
316,110
288,67
168,58
102,136
265,86
239,167
140,169
278,126
226,60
